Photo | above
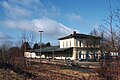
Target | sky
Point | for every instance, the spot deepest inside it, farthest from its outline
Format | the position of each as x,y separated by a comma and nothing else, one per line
56,18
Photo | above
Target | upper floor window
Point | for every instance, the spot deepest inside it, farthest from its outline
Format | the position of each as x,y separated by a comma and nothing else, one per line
80,43
63,44
76,43
70,43
66,44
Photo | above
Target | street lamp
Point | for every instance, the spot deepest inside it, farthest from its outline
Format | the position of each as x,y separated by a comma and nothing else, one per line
40,42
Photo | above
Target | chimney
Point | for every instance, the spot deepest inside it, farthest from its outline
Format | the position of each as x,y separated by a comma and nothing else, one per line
74,33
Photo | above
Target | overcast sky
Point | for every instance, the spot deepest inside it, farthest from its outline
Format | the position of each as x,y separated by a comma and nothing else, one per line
55,17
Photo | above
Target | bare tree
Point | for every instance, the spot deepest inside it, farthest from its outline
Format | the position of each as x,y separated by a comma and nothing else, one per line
5,45
109,65
28,38
16,57
94,32
31,37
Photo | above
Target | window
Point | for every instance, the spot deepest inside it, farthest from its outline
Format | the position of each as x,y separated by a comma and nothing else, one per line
76,43
80,43
70,43
66,44
63,44
80,54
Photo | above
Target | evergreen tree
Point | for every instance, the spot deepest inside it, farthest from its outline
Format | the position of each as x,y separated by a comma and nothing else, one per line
25,46
36,46
48,44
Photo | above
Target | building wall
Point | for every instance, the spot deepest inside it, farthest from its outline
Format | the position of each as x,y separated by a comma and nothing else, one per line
88,54
67,43
67,54
72,42
30,55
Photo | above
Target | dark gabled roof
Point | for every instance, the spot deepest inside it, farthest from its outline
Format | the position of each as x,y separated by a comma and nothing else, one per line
76,35
47,49
51,49
63,49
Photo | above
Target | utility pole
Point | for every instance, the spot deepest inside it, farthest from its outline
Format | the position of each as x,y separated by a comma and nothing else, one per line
40,42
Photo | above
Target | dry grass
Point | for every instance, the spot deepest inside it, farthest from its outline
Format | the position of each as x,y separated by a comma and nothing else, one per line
10,75
48,71
60,72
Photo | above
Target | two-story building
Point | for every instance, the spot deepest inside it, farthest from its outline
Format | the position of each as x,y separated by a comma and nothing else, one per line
84,46
75,47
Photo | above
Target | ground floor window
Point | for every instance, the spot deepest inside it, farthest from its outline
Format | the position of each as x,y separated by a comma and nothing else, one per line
80,55
37,54
87,56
